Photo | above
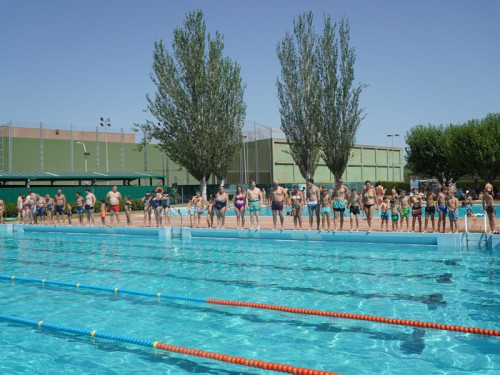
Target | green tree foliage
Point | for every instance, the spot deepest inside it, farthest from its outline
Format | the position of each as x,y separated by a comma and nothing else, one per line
198,102
340,113
299,94
427,154
476,146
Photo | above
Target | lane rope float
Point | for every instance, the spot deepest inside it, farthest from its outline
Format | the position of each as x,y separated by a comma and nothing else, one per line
168,347
263,306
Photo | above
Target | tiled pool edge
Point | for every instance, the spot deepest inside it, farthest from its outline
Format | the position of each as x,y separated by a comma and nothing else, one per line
447,240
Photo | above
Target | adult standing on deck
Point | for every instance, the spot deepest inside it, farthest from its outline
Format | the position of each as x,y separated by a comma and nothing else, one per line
380,190
489,209
296,201
313,198
277,198
254,203
60,201
368,195
114,197
442,198
2,209
340,195
89,206
79,207
221,206
239,207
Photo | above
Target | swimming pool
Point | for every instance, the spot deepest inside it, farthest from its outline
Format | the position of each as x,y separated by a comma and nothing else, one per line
417,282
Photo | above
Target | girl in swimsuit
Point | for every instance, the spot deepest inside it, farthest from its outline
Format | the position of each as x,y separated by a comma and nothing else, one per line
147,208
369,203
221,203
50,208
128,209
166,209
239,207
296,199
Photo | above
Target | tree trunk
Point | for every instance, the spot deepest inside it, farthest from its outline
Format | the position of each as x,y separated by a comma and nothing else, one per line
203,186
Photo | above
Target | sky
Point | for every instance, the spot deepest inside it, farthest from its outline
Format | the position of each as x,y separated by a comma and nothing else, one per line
71,62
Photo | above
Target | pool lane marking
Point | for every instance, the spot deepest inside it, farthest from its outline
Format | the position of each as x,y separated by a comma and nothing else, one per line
170,348
263,306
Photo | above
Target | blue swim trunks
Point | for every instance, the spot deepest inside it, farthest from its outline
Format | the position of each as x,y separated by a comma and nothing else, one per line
254,205
79,209
60,209
442,209
385,215
453,215
339,205
325,210
311,205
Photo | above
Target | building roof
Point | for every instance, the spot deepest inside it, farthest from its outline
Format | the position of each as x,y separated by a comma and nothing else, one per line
72,176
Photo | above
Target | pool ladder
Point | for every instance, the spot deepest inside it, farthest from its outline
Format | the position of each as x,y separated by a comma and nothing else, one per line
467,229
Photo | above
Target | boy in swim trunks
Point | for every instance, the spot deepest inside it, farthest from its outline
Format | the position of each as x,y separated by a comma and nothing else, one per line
340,194
384,214
489,209
452,205
313,196
254,202
404,205
69,212
395,211
416,209
430,209
442,210
353,204
277,198
326,202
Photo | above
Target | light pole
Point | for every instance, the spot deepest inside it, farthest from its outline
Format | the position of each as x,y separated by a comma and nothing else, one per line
106,124
85,153
392,139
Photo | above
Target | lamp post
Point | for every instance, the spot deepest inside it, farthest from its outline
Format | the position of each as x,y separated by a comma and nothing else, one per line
85,153
106,124
392,148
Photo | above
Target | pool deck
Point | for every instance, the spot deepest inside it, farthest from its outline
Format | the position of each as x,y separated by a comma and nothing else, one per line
459,240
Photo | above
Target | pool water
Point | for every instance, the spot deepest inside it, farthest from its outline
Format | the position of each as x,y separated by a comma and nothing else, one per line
411,282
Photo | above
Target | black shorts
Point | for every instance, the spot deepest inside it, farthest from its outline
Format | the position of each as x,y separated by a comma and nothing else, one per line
491,210
354,210
430,210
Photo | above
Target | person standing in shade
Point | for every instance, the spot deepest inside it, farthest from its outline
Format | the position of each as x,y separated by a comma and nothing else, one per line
313,198
254,203
128,210
79,207
89,206
2,209
340,194
489,209
60,201
277,199
114,197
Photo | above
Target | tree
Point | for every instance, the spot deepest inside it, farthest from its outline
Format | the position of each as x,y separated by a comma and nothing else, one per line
340,113
476,146
198,104
427,155
299,94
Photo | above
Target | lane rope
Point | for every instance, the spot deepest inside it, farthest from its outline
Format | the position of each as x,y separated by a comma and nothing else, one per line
168,347
263,306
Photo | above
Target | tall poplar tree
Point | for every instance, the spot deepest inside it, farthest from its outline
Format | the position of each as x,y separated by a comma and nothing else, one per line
299,94
198,102
340,112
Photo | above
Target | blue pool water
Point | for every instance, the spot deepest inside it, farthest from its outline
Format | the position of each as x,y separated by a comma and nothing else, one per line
407,282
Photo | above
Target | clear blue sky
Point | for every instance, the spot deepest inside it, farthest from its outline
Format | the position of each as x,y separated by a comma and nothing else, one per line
70,62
